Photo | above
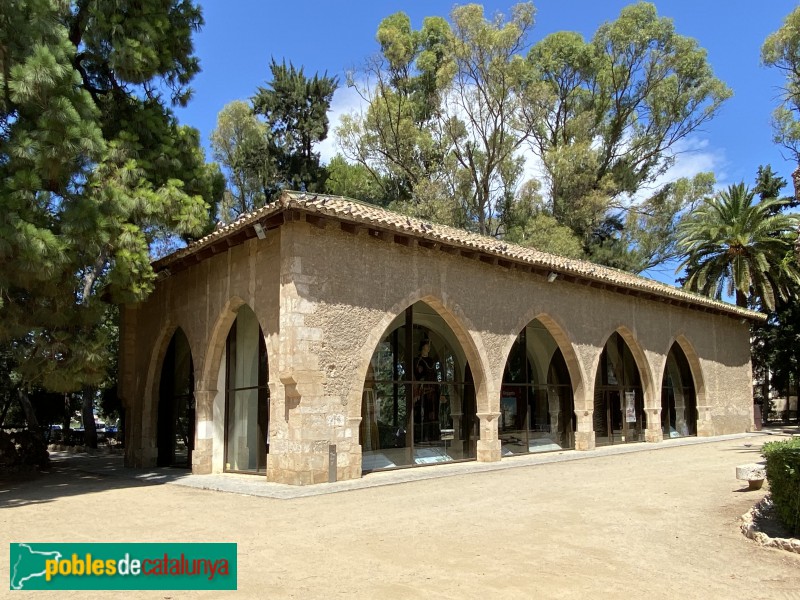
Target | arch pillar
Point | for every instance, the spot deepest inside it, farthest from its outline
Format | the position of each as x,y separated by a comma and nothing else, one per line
705,424
583,398
489,446
584,413
653,432
204,431
584,430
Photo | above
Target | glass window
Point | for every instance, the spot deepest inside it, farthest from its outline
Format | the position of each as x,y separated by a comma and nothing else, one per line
246,396
678,401
536,403
418,404
618,396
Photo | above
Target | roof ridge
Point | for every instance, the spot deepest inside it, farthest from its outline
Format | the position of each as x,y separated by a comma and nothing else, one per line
341,207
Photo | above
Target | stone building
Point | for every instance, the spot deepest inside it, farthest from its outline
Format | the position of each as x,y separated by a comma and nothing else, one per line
320,338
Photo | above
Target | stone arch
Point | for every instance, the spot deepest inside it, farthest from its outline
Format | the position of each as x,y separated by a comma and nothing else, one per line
459,336
535,415
700,407
153,379
458,323
652,400
694,365
648,428
560,334
215,344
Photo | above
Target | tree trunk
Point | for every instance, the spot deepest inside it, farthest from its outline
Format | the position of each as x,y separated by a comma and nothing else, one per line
741,299
3,414
65,425
121,428
30,414
87,412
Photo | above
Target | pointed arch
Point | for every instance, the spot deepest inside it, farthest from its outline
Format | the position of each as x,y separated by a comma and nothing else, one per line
421,370
537,407
560,334
694,366
458,323
211,405
153,379
640,358
215,345
682,386
175,426
624,402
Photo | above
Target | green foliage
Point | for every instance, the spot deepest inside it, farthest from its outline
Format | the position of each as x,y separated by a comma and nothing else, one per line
94,168
776,345
269,146
295,109
353,181
782,51
735,245
649,234
783,474
239,137
606,114
452,108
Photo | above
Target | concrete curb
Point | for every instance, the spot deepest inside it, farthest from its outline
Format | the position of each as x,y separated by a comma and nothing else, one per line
251,485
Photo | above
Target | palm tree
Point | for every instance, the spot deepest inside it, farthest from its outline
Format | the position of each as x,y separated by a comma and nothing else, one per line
741,247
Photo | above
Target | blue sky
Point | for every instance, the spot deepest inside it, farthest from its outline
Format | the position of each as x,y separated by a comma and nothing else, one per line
240,36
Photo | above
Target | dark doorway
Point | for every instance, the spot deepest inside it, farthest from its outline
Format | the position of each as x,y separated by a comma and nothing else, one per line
176,409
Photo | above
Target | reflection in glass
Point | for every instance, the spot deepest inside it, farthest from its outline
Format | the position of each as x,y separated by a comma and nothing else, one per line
536,403
618,397
246,396
418,404
678,401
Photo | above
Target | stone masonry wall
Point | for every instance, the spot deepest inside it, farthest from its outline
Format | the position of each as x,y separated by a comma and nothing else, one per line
324,298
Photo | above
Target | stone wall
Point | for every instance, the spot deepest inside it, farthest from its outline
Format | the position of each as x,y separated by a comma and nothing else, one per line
324,298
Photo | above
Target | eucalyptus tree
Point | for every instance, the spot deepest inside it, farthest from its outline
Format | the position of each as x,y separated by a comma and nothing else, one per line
453,110
781,50
607,115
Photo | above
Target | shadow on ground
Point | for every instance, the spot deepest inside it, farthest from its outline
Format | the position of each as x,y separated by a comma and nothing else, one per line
76,474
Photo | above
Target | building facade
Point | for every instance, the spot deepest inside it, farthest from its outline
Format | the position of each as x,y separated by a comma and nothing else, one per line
321,338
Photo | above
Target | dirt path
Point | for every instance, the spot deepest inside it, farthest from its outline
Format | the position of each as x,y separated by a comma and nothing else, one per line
656,524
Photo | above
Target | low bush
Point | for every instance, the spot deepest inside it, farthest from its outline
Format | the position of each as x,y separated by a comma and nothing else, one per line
783,474
22,450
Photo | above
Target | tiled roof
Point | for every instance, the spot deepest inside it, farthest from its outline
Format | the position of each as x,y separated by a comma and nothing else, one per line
368,215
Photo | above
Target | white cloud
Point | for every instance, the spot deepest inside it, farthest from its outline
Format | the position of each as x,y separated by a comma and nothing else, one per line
345,101
695,155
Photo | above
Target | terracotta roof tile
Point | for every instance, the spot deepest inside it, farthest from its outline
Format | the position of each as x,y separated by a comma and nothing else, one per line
345,209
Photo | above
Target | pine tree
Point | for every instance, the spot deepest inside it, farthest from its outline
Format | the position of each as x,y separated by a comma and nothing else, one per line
93,168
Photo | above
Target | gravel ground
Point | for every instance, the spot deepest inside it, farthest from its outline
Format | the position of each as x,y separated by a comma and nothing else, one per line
655,524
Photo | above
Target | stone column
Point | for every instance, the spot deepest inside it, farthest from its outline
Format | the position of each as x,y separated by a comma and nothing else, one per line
489,449
204,431
300,434
554,408
349,451
705,425
653,433
584,434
